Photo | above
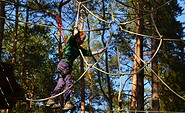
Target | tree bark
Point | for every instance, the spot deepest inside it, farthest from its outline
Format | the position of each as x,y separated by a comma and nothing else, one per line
15,33
2,22
23,71
90,78
91,93
14,52
134,90
155,95
82,104
137,100
82,84
139,64
107,65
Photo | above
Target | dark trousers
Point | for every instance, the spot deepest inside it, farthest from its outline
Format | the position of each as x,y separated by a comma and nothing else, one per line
64,81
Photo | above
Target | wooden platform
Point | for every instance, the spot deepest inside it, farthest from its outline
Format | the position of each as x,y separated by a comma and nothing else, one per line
9,88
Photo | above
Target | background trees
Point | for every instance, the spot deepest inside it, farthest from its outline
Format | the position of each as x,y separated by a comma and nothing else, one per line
36,45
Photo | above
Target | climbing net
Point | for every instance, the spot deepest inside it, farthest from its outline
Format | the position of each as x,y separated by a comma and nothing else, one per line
113,21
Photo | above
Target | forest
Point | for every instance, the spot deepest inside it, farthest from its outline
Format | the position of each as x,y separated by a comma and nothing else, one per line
142,69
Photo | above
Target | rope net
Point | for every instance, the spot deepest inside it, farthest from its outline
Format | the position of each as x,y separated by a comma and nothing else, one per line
122,29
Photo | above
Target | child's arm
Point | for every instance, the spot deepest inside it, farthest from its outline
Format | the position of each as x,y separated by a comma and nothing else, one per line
99,52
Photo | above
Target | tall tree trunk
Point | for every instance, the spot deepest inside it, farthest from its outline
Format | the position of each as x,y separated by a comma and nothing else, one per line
59,43
91,93
15,33
82,84
139,63
60,57
137,99
108,83
155,95
15,44
2,22
90,78
107,66
82,104
60,50
134,90
23,71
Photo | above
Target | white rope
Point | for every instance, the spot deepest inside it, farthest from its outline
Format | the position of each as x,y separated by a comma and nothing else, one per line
146,63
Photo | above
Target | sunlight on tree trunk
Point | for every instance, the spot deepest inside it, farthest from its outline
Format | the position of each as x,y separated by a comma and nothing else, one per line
139,53
155,95
138,79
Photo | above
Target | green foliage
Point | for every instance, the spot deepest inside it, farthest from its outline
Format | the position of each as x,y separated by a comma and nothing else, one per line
171,59
39,65
39,46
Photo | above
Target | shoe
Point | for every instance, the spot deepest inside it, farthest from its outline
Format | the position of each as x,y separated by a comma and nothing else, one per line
68,106
55,106
50,103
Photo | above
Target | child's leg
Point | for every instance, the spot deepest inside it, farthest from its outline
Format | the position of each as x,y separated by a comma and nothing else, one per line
68,81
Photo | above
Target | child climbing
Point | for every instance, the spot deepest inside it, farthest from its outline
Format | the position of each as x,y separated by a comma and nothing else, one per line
65,68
